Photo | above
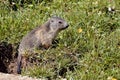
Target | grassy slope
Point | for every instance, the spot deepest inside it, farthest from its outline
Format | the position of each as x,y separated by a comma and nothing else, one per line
97,47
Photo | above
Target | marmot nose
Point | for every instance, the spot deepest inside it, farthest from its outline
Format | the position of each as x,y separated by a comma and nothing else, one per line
67,25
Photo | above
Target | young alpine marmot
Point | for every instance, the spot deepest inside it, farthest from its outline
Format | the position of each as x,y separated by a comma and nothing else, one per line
40,37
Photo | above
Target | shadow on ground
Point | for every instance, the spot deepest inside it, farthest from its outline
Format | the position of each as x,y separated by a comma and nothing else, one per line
7,57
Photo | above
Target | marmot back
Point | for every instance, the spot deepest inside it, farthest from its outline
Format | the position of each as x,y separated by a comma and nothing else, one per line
41,36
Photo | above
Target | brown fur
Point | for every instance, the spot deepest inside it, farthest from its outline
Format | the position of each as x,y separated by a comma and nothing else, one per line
42,36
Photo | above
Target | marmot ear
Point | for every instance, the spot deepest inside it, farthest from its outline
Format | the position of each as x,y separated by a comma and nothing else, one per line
47,24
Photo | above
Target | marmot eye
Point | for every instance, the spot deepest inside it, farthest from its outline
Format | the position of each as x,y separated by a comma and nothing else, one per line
52,21
60,22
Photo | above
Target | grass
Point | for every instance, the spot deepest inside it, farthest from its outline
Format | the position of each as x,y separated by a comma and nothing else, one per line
90,54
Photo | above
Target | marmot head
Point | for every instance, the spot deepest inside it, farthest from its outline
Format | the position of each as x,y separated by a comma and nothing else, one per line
57,24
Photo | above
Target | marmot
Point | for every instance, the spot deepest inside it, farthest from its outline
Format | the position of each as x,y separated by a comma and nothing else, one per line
41,36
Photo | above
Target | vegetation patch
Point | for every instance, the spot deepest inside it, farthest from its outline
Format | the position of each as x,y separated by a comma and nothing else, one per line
88,50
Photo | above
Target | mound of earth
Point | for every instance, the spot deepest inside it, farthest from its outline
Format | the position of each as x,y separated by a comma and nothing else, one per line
8,65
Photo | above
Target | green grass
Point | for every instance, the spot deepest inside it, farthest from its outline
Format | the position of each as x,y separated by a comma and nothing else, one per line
94,53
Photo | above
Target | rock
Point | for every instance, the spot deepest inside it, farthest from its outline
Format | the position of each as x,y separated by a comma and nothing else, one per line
4,76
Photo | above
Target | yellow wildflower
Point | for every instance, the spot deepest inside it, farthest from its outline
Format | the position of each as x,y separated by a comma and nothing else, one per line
79,30
119,47
114,79
111,78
